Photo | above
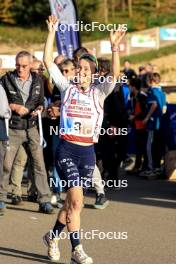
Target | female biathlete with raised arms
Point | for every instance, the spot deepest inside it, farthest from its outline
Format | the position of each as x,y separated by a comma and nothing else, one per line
80,120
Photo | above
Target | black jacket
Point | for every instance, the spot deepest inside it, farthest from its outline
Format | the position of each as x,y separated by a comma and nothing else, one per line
115,109
36,98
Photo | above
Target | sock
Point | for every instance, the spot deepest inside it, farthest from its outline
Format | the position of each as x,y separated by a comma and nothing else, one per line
75,239
57,229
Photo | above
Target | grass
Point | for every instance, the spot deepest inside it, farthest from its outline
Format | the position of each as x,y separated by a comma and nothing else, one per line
148,56
16,35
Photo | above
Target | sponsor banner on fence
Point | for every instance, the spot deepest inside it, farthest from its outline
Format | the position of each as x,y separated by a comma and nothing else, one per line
8,61
168,33
39,54
143,41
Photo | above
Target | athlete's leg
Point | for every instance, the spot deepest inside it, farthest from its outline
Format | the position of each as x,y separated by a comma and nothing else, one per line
75,205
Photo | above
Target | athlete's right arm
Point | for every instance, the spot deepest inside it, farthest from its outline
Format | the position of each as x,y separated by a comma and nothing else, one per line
60,81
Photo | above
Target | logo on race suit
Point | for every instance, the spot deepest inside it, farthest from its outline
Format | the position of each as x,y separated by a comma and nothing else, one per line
80,102
73,101
84,102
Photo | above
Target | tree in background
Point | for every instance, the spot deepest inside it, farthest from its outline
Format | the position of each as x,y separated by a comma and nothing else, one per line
106,13
5,14
130,10
158,4
138,14
31,12
24,12
86,8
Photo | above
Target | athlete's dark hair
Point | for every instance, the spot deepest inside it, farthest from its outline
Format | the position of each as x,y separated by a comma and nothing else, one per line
79,52
89,57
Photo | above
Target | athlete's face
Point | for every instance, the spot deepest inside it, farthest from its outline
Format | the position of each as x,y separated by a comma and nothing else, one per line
86,70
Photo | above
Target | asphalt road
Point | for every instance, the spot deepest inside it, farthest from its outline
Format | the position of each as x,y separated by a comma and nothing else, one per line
145,210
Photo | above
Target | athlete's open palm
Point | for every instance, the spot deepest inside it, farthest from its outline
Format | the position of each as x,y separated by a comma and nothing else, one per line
116,37
51,22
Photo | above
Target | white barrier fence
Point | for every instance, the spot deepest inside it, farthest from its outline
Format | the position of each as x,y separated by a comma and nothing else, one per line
133,43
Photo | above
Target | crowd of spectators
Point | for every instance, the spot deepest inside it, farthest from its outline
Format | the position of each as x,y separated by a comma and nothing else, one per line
134,114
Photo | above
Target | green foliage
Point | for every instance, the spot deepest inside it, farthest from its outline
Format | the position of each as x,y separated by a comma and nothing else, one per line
86,9
33,13
29,13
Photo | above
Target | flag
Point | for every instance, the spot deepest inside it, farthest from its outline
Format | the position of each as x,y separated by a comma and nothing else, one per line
67,38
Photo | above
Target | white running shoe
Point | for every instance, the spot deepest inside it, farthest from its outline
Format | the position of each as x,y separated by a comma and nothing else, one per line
53,248
53,199
80,257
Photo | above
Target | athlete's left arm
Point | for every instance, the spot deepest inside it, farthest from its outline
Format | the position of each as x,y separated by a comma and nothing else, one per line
115,39
107,87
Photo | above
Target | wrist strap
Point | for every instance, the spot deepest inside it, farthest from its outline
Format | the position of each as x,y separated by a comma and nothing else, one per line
115,49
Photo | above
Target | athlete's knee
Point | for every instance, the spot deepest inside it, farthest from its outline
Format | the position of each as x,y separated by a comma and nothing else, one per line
76,205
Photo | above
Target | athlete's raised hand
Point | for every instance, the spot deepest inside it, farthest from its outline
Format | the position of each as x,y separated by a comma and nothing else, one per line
116,37
48,51
51,22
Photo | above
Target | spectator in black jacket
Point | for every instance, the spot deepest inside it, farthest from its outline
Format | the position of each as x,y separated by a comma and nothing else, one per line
25,95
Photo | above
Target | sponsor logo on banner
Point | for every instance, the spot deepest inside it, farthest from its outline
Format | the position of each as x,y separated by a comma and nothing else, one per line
168,33
143,41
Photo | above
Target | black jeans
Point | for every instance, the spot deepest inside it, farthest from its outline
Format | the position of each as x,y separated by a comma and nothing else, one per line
141,149
116,151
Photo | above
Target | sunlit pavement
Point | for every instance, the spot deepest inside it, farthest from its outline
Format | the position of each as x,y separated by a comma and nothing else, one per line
145,210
